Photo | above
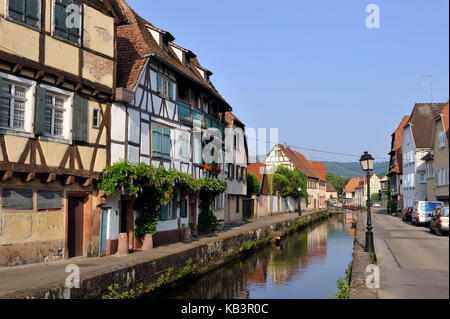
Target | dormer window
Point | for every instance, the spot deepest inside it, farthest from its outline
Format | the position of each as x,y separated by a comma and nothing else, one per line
165,45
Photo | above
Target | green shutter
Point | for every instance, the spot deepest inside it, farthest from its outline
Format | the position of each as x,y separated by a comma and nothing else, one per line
156,141
183,210
80,119
166,142
39,112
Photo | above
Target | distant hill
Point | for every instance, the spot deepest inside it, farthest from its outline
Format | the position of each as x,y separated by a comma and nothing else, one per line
353,169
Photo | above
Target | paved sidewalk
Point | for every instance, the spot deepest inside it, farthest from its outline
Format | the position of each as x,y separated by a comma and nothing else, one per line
16,279
414,264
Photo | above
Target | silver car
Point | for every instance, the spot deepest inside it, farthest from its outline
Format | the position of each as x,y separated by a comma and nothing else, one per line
439,221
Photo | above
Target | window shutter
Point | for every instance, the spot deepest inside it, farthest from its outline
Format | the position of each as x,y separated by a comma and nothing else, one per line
60,19
17,9
171,90
39,113
80,119
159,83
32,12
183,212
175,197
164,212
156,141
166,142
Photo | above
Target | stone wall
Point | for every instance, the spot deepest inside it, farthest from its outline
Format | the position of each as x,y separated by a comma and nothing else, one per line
361,260
207,256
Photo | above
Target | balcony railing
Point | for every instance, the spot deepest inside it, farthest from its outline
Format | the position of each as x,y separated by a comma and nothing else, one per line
184,111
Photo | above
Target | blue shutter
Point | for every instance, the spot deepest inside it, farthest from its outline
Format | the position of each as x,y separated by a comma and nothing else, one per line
197,117
166,142
171,90
159,83
156,141
184,111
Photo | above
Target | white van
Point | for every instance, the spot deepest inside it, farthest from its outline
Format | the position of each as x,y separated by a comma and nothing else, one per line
423,210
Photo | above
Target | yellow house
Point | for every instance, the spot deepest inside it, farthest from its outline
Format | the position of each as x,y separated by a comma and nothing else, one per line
57,79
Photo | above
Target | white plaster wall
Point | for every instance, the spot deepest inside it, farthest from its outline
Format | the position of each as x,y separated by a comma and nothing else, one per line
117,152
134,126
118,114
145,138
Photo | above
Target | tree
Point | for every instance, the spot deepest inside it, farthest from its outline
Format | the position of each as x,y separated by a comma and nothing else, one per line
375,197
286,183
338,182
253,184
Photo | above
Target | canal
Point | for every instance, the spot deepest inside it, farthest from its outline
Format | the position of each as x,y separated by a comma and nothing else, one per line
306,265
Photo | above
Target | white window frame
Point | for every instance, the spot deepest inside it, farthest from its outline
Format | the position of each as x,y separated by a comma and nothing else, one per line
67,119
29,104
99,117
441,138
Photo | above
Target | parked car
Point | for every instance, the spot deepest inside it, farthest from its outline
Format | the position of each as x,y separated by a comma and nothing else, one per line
407,214
376,205
439,221
422,211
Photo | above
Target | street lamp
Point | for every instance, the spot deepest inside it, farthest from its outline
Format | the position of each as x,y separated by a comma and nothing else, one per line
367,166
300,201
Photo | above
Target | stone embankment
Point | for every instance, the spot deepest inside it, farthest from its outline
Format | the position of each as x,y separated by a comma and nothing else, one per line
150,268
361,259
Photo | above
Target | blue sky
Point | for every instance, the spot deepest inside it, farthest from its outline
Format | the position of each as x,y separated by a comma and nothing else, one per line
312,68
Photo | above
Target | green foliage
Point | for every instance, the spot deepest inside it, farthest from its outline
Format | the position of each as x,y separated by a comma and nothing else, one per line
287,181
375,197
338,182
153,188
207,221
187,271
353,169
343,284
253,184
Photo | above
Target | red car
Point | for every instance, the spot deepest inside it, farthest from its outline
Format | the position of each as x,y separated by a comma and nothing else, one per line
407,214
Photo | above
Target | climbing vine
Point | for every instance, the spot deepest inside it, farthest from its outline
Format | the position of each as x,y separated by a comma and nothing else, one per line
152,187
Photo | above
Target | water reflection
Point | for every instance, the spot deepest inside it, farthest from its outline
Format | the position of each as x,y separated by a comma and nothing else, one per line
306,265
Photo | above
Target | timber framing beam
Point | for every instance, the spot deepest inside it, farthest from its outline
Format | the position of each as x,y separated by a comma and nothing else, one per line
7,175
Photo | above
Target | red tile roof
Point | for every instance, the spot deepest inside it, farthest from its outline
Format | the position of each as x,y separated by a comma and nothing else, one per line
256,169
352,184
300,162
135,44
331,189
321,169
422,121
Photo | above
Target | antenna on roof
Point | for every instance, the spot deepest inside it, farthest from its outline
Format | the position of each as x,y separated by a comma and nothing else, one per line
431,87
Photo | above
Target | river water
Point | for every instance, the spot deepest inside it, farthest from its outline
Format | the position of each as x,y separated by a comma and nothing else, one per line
306,265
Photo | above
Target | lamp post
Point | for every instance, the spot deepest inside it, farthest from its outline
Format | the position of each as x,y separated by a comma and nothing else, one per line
367,166
299,201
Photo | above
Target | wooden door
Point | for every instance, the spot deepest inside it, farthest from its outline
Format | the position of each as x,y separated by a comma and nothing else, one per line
75,226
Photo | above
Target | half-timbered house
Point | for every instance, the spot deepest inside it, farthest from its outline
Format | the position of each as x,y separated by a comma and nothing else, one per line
165,100
57,79
282,155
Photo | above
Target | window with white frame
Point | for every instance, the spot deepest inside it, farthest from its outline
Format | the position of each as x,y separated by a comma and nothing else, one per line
54,114
12,105
96,120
